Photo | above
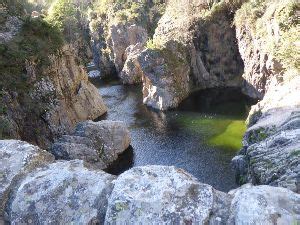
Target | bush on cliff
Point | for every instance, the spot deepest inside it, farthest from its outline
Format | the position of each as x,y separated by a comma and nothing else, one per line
258,15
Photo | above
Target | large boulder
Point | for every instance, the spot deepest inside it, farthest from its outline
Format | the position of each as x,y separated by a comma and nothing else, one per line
98,143
64,192
165,76
193,48
264,205
132,72
16,159
164,195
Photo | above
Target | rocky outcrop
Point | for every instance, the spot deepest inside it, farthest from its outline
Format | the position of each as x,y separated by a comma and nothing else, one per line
64,192
117,28
165,76
98,143
271,144
62,98
263,205
194,47
132,72
122,36
159,194
34,189
16,159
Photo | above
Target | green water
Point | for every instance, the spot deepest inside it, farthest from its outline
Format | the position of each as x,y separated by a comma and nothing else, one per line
218,131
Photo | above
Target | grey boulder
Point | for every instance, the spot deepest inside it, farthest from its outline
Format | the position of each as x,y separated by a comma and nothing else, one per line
164,195
98,143
64,192
16,159
264,205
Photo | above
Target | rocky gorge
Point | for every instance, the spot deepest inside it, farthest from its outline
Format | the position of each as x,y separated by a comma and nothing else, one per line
247,45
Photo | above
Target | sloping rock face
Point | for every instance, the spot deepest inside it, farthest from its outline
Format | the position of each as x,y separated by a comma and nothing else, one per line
62,97
192,45
63,192
158,194
16,159
271,143
98,143
263,41
264,205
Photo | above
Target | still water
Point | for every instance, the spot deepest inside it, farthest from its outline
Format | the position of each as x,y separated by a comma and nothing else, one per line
201,136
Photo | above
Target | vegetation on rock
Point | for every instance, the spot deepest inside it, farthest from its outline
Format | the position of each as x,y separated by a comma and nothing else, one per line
283,43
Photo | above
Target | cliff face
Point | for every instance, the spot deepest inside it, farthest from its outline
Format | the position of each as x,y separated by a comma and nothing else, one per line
267,44
119,31
195,46
44,95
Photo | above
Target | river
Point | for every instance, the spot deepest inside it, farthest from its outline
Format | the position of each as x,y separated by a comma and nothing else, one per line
201,136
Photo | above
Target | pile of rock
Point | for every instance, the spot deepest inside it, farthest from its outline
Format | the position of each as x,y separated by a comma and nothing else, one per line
36,189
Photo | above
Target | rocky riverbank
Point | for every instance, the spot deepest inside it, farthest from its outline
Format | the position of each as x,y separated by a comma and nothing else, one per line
35,188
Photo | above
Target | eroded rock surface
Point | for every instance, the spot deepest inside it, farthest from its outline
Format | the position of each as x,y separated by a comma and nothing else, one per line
98,143
64,192
271,143
16,159
264,205
159,194
193,48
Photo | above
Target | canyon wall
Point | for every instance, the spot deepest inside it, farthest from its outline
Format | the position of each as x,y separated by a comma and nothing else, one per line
44,89
267,34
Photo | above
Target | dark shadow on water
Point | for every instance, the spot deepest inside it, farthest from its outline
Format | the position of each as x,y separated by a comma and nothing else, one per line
123,163
219,101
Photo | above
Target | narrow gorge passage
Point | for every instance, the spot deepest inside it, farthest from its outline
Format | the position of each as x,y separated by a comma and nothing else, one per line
187,137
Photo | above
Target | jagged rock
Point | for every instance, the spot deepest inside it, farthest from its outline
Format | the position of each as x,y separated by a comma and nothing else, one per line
98,143
64,192
132,72
264,205
164,85
272,142
164,195
65,95
16,159
123,36
193,48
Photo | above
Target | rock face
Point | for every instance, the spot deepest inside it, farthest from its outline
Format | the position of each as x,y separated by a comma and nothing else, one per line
164,85
271,144
158,194
132,72
193,48
16,159
63,192
264,205
117,29
34,189
165,195
123,36
64,93
98,143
